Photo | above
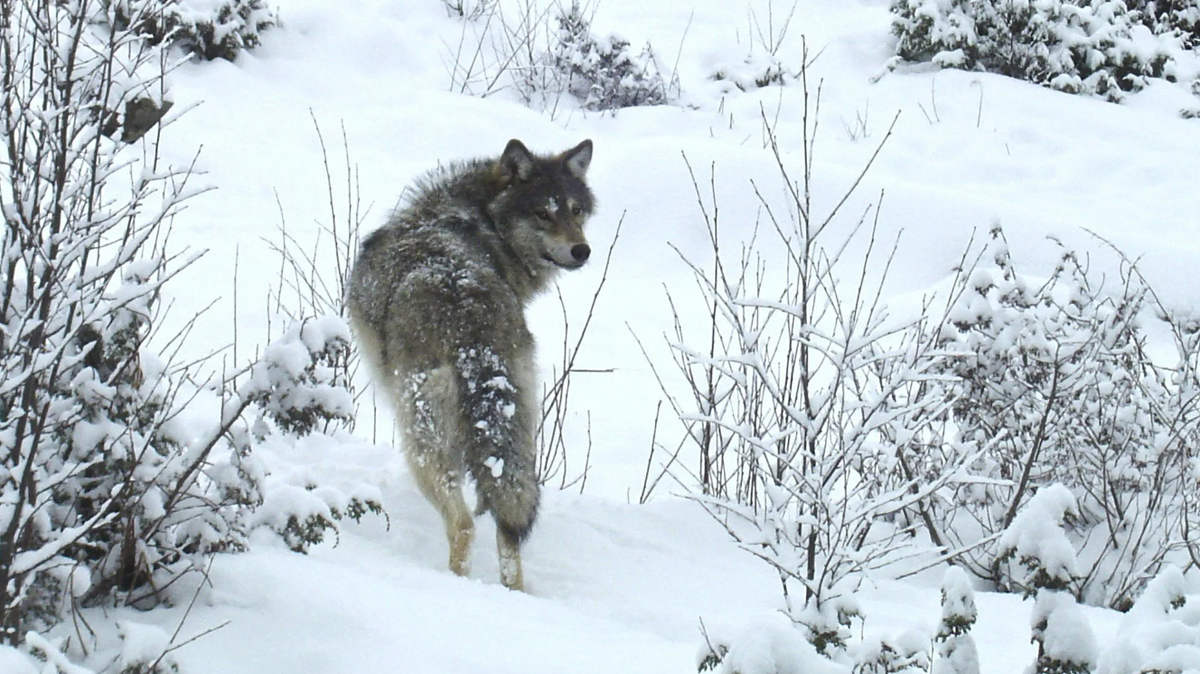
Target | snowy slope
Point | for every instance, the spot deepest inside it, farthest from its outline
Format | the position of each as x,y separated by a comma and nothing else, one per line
614,586
968,150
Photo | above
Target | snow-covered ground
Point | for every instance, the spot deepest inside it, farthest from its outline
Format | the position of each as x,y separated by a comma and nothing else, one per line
615,586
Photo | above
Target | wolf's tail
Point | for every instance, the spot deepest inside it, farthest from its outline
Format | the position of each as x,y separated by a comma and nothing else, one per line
500,451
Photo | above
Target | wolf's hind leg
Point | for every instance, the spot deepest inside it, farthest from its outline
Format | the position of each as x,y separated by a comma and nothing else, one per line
428,410
443,488
509,552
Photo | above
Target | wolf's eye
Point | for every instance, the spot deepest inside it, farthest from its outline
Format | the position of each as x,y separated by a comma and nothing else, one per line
576,209
542,214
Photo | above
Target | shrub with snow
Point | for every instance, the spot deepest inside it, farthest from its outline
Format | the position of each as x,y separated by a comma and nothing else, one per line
112,486
767,645
812,452
544,54
1056,386
1154,636
907,653
1066,644
1171,17
776,645
762,67
209,29
1036,546
299,387
756,71
603,73
145,649
302,515
103,492
1046,569
956,652
297,384
1080,46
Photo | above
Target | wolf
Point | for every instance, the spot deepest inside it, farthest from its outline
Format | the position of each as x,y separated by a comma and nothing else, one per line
436,299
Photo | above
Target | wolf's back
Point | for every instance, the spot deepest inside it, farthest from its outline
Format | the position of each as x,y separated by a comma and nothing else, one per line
404,284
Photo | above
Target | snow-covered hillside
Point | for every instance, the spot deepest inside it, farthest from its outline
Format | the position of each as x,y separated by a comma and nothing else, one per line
614,585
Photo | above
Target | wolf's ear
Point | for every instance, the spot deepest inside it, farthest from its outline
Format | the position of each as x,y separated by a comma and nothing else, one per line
517,160
578,158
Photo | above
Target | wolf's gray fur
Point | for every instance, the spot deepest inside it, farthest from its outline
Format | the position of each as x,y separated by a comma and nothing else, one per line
437,300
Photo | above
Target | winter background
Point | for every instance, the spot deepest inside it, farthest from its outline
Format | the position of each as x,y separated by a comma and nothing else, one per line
343,104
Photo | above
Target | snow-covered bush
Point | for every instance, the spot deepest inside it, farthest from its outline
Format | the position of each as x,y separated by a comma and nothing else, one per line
767,645
762,67
603,73
300,386
88,447
308,298
809,407
1044,567
303,385
1080,46
755,71
303,515
1153,636
209,29
145,649
297,384
956,652
802,446
546,53
1167,17
1036,546
908,653
1066,644
773,645
1056,376
111,488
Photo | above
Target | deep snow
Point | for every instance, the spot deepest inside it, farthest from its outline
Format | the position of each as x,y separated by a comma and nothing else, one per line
615,586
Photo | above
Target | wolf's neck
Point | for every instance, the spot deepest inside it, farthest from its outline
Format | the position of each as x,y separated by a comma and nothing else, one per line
526,280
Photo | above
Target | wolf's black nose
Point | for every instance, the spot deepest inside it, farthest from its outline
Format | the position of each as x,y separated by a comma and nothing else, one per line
581,252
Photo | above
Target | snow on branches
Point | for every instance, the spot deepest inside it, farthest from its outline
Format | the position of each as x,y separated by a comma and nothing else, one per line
1159,633
111,488
296,384
1023,433
1036,544
603,73
1079,46
811,430
1056,368
815,413
546,53
87,421
956,652
208,29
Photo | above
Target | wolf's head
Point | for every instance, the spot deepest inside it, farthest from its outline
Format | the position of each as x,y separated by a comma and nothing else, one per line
543,205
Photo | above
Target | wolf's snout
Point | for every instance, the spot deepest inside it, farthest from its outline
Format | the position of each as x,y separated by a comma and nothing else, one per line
581,252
